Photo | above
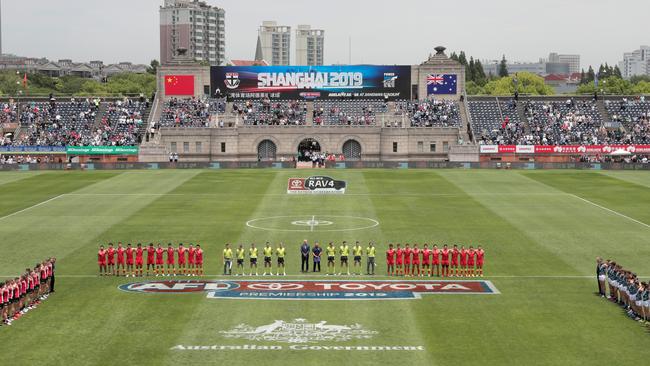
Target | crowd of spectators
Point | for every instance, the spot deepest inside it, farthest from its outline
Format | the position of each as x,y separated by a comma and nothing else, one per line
564,123
191,112
431,113
122,123
56,123
8,112
264,112
348,113
634,116
624,288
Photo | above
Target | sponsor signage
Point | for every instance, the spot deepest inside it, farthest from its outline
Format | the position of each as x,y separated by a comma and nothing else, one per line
315,290
33,149
312,82
102,150
316,185
563,149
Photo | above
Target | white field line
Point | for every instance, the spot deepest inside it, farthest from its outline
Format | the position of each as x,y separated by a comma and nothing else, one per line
347,194
610,210
312,223
347,278
31,207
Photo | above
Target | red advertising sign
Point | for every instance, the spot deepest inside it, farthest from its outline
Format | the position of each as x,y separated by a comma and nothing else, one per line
564,149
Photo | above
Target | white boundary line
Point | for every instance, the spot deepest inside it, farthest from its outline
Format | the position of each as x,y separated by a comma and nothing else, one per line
324,277
347,194
31,207
610,210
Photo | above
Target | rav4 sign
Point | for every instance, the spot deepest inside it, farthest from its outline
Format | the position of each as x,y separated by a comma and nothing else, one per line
314,290
316,185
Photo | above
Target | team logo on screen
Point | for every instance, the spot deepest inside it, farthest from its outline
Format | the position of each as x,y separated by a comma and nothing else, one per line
315,290
232,80
316,185
390,79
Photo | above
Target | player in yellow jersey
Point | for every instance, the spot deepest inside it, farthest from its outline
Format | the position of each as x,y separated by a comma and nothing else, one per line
227,260
252,254
268,253
241,254
331,259
344,252
371,251
280,252
357,252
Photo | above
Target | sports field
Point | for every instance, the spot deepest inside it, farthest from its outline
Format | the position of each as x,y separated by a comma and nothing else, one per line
541,231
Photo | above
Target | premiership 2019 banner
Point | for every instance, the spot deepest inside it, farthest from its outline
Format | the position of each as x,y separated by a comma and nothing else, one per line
46,150
312,82
564,149
102,150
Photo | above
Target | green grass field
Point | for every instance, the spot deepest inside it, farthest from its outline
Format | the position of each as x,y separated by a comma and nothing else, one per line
541,231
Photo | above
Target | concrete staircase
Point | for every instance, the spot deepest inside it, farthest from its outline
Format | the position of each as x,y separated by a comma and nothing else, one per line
521,112
465,120
309,118
600,105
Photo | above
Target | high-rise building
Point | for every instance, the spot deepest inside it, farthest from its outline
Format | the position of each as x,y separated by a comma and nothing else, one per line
309,46
274,43
196,27
572,60
636,62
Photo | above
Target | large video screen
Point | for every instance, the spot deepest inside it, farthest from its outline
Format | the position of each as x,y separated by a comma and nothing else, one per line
312,82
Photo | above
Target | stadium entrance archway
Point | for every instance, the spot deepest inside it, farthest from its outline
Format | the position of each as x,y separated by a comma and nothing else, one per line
266,150
306,148
352,150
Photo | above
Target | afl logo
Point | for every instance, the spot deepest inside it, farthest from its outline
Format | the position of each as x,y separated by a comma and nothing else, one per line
232,80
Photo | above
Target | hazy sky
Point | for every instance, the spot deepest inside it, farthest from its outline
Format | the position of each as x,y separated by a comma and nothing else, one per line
382,31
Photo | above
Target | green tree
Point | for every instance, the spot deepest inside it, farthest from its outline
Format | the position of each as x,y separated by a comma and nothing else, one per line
503,67
454,56
528,84
590,74
639,78
153,67
473,88
479,73
642,87
462,58
617,72
470,70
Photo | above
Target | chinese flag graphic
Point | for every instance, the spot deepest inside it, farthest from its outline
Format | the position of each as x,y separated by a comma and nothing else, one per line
179,85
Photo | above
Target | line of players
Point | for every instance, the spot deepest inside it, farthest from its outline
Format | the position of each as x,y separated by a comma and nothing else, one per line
128,261
26,292
455,262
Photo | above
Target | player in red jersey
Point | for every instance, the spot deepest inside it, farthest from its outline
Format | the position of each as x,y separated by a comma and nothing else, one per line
444,260
191,256
182,269
480,254
426,262
455,253
101,260
399,253
470,261
159,261
435,253
407,259
120,259
416,261
151,262
199,260
390,260
110,252
171,260
138,260
129,260
463,261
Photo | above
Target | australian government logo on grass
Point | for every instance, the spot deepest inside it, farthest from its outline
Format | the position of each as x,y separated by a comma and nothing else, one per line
314,289
298,335
316,185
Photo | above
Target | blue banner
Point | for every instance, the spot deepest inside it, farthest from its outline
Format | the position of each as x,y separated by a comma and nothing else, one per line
33,149
438,84
312,82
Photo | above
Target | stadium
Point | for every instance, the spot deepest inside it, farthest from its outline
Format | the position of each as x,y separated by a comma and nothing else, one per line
323,214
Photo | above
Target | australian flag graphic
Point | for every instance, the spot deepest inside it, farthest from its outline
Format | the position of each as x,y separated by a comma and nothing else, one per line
442,84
